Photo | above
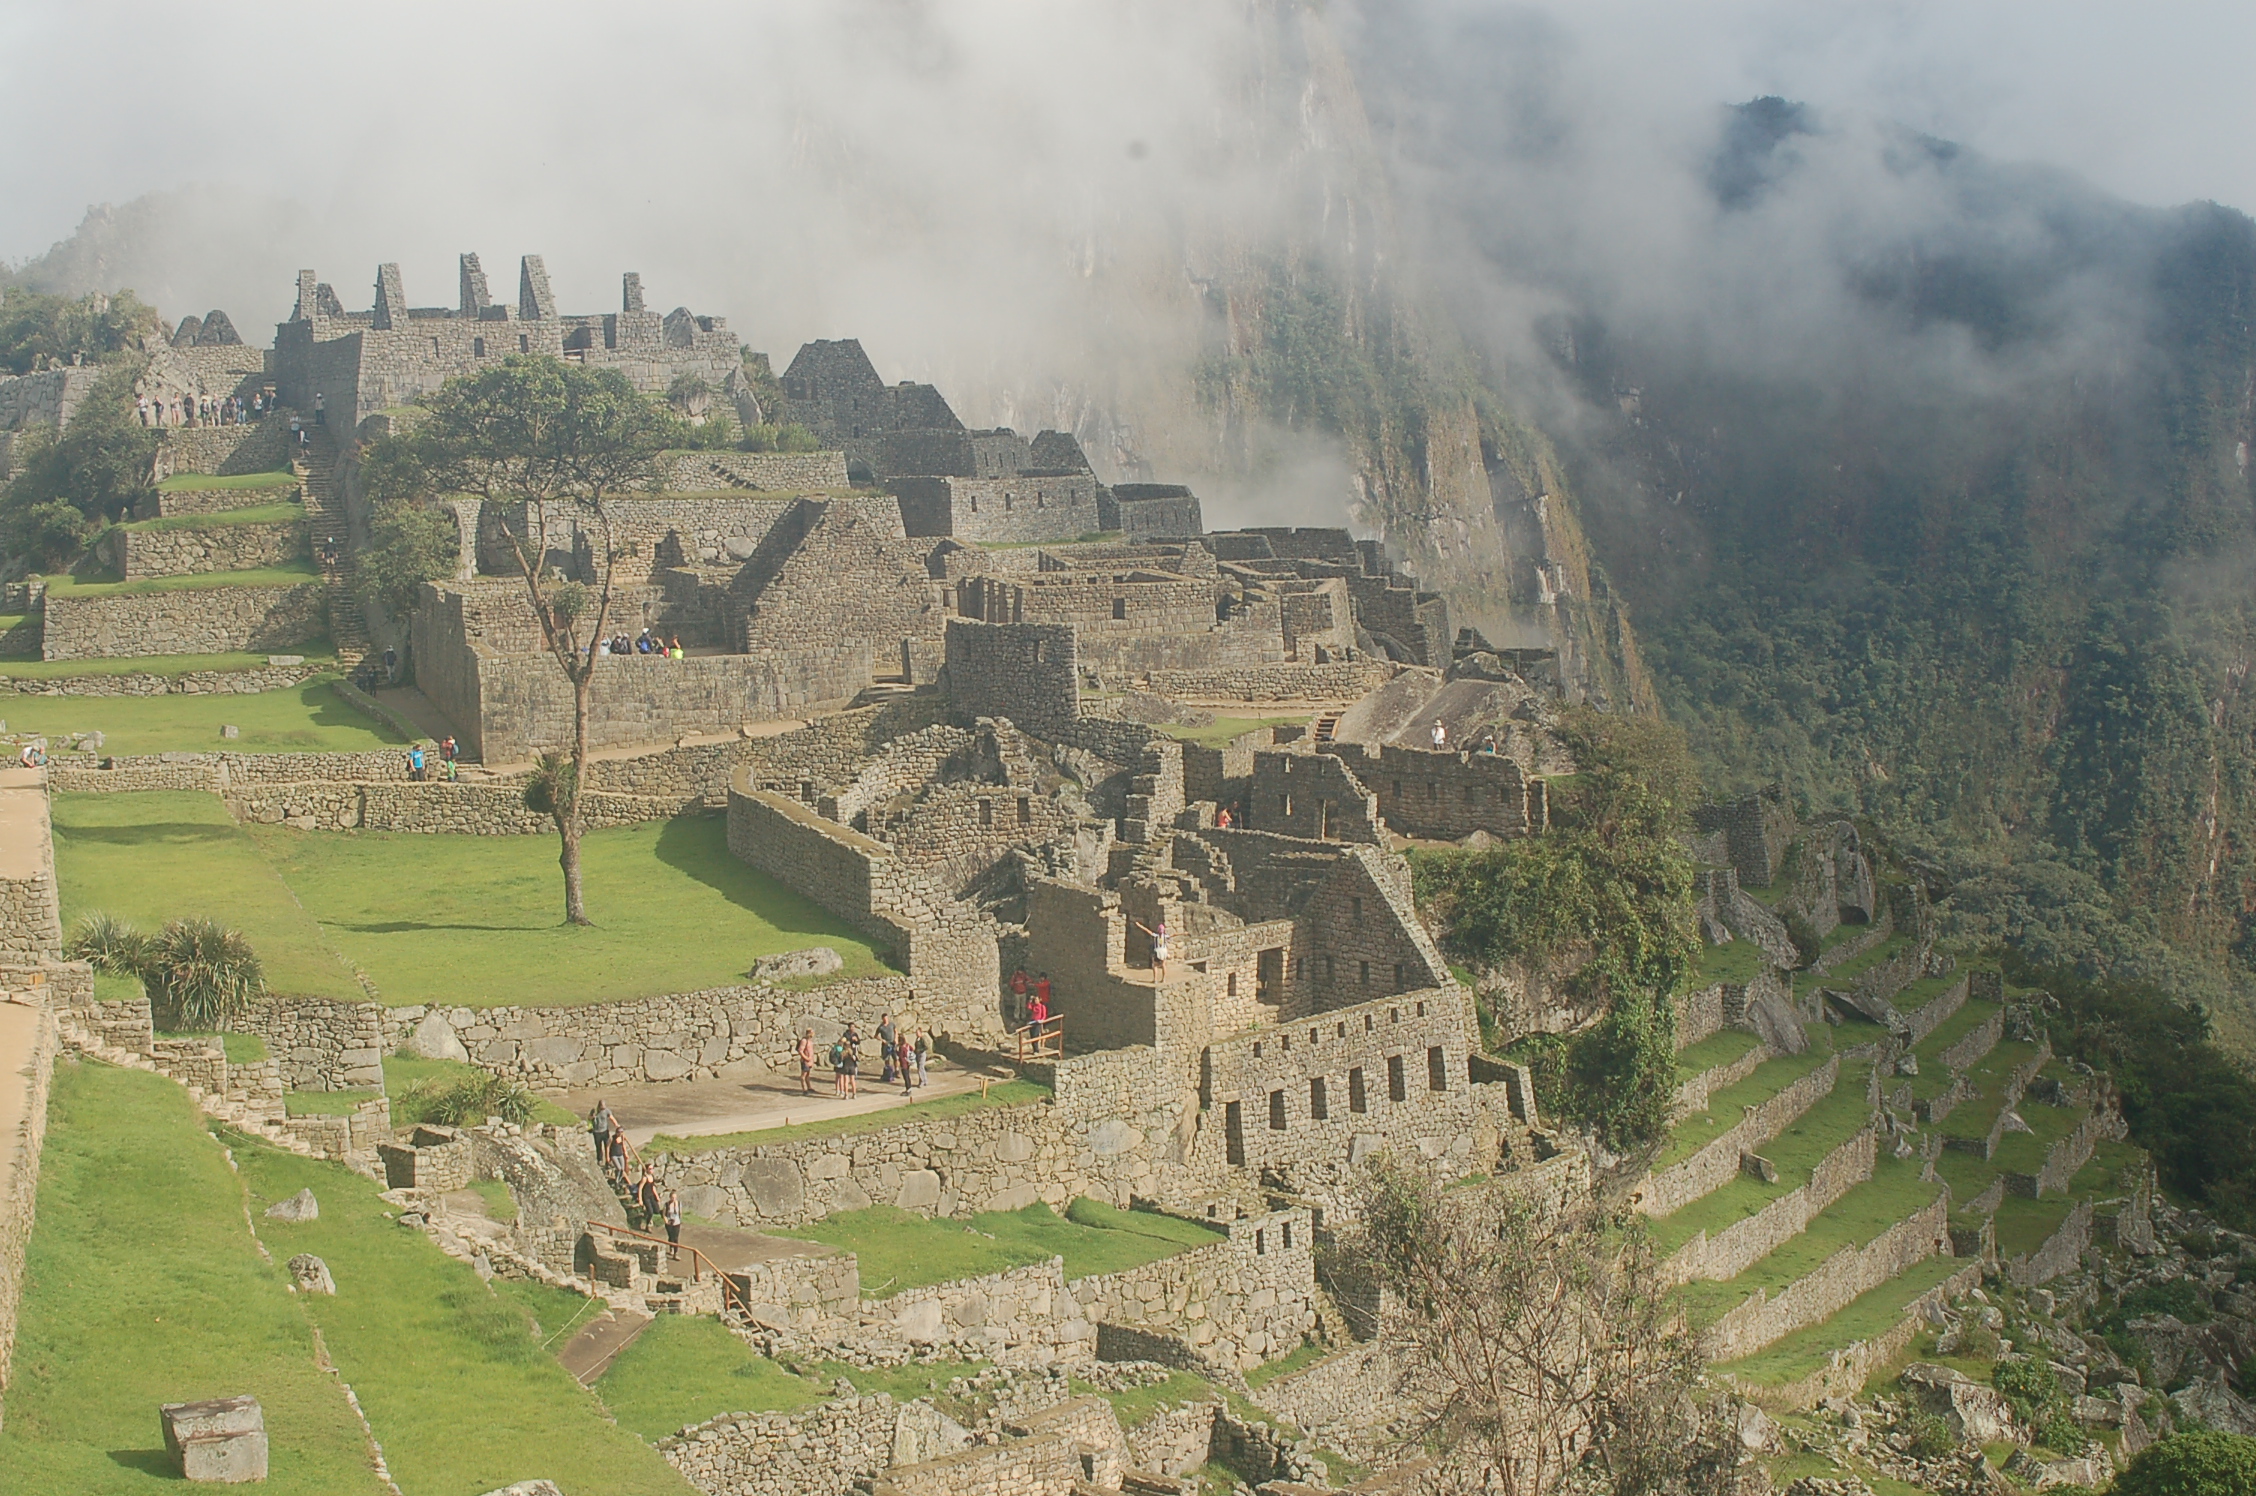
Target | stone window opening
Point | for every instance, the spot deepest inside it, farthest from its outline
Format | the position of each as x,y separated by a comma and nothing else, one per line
1398,987
1276,1111
1284,1042
806,790
1398,1084
1433,790
1006,503
975,503
1363,973
1260,1243
1355,910
1394,1015
986,815
524,343
1437,1069
1269,975
1199,967
1398,982
1313,1035
1233,1134
1287,1231
1319,1105
1342,1031
1025,810
1369,1023
477,347
1356,1100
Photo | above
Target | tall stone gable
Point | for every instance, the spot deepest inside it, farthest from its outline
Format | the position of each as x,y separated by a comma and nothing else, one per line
828,584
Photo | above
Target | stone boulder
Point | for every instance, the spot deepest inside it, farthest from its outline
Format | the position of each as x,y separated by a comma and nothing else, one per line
311,1275
2216,1405
528,1488
223,1439
1974,1412
299,1207
434,1039
815,961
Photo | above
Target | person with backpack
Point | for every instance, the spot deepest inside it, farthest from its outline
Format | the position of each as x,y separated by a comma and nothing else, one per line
600,1124
807,1063
838,1068
673,1223
923,1054
885,1053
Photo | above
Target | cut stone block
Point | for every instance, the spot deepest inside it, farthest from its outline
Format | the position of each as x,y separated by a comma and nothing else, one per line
221,1440
299,1207
311,1274
815,961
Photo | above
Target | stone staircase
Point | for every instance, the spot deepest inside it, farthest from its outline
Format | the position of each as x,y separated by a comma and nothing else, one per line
331,536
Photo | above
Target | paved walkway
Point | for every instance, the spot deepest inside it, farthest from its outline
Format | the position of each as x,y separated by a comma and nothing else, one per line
706,1108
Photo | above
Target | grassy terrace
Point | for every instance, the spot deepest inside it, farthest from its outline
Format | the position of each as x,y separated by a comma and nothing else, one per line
1857,1218
1796,1151
257,514
199,482
1221,730
1717,1049
1739,962
473,920
307,718
1973,1119
1727,1106
1008,1093
2024,1152
141,1242
1845,975
292,575
1972,1015
1864,1317
315,654
1919,994
900,1249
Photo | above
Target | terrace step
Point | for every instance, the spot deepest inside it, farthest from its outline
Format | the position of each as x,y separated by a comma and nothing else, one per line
588,1354
1834,1358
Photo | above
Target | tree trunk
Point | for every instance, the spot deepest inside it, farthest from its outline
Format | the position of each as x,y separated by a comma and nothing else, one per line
568,828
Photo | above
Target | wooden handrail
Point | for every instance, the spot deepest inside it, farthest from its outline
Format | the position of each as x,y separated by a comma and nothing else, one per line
729,1293
1042,1041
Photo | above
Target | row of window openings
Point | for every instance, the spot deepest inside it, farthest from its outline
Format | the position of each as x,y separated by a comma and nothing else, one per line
1316,1034
1331,972
1041,501
1319,1098
1025,814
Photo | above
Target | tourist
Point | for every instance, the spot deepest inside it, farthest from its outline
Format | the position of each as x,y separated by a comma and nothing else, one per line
1159,947
838,1068
901,1047
602,647
447,749
807,1062
673,1223
391,663
885,1047
1488,744
923,1054
1222,818
320,409
619,1155
415,763
453,772
853,1062
600,1124
646,1196
1038,1011
142,405
1440,735
1018,983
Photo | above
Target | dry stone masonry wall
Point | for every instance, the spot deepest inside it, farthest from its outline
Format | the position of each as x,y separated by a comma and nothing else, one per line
204,620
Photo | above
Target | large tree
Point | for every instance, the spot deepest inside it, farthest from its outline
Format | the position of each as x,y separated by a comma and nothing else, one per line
549,443
1527,1343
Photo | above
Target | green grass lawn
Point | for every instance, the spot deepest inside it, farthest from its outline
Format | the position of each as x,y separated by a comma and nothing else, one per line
143,1288
1716,1049
289,575
478,920
1136,1406
451,1373
257,514
1971,1015
1221,730
2023,1225
1796,1151
308,718
316,653
1917,995
1973,1119
1007,1093
2024,1152
1739,962
1862,1318
687,1368
1727,1106
195,482
1844,976
900,1249
1298,1360
164,854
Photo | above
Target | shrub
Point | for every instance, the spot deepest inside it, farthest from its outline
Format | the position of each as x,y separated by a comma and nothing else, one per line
1930,1437
2205,1463
1979,1343
200,974
2199,1243
465,1102
108,944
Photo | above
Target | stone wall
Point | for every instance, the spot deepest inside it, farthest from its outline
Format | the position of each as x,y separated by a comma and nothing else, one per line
1717,1163
1979,1041
821,1451
204,620
175,503
321,1044
1692,1095
137,555
1847,1369
1756,831
189,683
20,1146
1281,682
1000,511
224,450
1240,1302
46,398
1763,1319
1027,1316
1344,1401
1444,796
2061,1252
1699,1015
696,472
1026,672
1744,1242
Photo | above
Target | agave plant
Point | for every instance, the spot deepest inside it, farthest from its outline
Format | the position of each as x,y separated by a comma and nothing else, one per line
108,944
552,786
200,974
465,1102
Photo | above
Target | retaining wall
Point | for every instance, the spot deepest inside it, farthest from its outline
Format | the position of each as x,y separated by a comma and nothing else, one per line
1847,1369
30,1022
2061,1251
1717,1163
1286,682
203,620
1744,1242
1971,1050
138,555
1763,1319
189,683
1692,1095
1245,1300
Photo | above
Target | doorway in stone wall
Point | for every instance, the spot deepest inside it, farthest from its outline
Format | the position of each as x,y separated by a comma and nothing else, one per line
1269,975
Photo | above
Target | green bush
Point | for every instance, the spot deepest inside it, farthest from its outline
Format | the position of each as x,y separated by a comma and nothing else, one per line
466,1102
1931,1437
2203,1463
198,973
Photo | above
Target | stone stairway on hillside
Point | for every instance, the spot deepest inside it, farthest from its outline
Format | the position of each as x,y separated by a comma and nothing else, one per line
330,532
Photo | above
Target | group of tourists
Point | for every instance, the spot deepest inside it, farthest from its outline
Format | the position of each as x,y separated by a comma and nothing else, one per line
644,1200
190,410
1033,999
647,644
449,766
905,1053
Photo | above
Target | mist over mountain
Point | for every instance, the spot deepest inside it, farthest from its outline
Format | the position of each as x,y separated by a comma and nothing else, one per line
1913,477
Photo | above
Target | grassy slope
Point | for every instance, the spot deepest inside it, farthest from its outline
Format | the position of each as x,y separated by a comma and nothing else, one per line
1717,1049
158,855
477,919
1854,1220
309,718
685,1369
1795,1151
145,1288
1727,1106
900,1249
153,664
1870,1314
195,482
1739,962
461,1393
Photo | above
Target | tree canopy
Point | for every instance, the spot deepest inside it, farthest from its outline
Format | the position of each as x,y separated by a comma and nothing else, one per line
36,328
